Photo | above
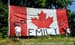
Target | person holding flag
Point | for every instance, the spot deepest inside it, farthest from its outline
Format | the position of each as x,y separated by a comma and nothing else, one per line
17,30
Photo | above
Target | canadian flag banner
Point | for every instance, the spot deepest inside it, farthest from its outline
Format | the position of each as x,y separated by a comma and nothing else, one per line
37,22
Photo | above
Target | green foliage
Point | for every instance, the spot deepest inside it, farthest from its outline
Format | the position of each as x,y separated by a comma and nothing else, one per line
42,3
63,3
55,3
3,19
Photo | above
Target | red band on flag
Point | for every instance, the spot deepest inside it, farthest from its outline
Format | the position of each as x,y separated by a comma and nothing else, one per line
62,20
18,15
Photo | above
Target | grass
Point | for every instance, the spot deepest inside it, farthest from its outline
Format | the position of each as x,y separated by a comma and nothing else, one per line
43,40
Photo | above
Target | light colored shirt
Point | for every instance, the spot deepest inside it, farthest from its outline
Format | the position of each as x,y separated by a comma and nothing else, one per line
68,30
18,29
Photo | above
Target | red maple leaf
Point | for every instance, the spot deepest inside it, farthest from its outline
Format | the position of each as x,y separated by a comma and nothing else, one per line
42,22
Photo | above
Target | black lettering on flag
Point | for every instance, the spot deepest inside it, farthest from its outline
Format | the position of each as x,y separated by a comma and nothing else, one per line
29,32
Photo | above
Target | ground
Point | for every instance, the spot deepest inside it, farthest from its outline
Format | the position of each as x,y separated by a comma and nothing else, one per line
44,40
